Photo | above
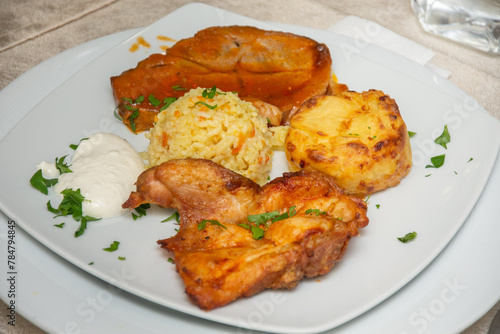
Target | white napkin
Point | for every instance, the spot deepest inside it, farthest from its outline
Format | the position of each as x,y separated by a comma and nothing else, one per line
371,32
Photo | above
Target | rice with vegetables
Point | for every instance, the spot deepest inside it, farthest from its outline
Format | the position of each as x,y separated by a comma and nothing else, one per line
216,125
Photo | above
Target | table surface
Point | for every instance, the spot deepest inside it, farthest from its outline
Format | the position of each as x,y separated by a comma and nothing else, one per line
32,31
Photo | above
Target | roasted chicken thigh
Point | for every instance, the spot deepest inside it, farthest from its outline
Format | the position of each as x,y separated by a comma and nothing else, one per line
237,238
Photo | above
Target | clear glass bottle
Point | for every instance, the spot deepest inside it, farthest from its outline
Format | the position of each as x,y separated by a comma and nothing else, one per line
475,23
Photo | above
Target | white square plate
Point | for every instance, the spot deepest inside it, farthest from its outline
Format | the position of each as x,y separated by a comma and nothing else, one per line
375,265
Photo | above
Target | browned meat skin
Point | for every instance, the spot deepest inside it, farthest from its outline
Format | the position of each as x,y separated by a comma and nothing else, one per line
199,189
221,264
278,68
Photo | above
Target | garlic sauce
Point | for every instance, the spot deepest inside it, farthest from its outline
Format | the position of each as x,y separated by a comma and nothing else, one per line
105,168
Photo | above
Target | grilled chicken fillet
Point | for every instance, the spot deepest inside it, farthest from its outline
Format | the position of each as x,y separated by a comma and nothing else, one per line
222,262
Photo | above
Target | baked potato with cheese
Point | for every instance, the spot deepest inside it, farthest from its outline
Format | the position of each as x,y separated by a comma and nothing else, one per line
360,139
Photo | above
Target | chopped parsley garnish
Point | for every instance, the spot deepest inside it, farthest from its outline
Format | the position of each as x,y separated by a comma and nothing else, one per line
140,211
210,93
71,205
121,258
411,133
59,225
117,116
257,231
113,247
470,160
203,224
178,87
62,166
83,225
167,102
75,146
206,105
444,138
377,206
91,263
174,215
436,161
82,228
153,100
132,118
261,219
408,237
40,183
135,111
171,260
291,212
317,212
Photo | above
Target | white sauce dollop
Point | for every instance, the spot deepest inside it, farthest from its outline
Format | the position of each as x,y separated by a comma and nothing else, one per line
49,170
105,168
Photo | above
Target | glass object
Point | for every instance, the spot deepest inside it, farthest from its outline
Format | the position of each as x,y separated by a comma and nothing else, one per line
475,23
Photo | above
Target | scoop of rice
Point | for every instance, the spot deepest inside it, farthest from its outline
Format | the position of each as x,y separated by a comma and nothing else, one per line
219,126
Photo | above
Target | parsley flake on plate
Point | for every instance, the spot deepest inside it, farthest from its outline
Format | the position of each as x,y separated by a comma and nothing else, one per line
436,161
140,211
408,237
40,183
174,215
444,138
113,247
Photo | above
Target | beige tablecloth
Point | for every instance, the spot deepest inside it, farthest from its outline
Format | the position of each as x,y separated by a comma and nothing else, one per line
32,31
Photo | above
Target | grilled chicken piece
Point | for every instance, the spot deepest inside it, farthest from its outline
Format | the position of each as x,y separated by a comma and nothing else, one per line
222,261
279,68
199,189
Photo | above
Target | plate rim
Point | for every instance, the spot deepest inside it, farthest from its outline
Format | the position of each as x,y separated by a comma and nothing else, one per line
214,7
